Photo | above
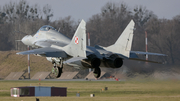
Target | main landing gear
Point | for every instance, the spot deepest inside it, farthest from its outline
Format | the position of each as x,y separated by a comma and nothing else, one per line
57,70
97,72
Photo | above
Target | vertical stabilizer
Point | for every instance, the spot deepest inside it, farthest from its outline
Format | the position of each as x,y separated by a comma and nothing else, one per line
124,42
77,46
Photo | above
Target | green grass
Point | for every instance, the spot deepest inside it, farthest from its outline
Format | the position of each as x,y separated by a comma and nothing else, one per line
11,62
124,90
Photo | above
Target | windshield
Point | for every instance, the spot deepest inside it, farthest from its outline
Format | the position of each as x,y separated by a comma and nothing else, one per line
46,28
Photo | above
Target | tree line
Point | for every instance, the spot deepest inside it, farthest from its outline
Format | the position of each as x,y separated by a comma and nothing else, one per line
20,19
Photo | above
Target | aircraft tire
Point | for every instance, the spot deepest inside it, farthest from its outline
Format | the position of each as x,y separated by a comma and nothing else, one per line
97,72
58,72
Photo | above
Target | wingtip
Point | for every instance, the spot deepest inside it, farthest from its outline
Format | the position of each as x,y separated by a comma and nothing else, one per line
19,53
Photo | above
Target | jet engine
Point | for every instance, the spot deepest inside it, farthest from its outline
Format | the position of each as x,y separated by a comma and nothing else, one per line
92,61
113,62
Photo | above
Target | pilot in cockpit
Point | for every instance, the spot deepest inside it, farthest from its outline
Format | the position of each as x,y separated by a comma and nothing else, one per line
46,28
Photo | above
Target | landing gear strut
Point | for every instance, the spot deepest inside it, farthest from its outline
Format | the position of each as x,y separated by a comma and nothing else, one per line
97,72
57,70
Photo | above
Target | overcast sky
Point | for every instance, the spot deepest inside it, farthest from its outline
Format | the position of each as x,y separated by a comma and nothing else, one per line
84,9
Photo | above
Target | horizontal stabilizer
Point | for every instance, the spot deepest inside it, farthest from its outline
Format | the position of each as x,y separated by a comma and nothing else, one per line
147,53
137,59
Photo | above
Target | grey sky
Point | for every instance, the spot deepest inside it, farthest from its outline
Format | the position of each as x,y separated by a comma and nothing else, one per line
84,9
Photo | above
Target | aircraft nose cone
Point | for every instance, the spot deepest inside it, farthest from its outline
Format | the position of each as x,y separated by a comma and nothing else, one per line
27,40
24,39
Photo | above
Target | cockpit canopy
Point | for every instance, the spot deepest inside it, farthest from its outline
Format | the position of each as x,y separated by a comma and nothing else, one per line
46,28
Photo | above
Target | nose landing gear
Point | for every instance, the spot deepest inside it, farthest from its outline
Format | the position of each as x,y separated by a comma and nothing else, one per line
57,70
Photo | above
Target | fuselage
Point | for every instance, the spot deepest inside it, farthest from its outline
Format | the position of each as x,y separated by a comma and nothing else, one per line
47,36
45,33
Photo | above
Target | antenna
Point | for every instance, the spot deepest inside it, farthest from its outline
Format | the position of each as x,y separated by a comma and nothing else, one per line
146,43
89,45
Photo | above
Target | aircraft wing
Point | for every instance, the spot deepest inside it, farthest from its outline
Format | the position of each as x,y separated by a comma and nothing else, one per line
47,51
147,53
73,60
132,56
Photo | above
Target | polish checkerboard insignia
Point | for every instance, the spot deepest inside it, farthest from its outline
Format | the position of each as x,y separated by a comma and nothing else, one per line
76,40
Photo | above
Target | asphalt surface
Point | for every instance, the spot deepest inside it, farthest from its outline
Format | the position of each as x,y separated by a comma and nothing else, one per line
66,80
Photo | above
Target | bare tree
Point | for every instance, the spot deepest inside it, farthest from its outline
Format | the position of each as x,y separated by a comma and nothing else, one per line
48,13
66,26
106,27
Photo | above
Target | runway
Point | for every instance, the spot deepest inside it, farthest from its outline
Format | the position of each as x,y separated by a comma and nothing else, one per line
79,80
65,80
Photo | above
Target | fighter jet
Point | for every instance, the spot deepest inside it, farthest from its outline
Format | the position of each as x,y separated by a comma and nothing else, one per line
60,50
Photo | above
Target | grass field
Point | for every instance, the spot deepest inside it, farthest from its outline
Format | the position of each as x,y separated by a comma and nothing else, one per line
11,62
144,90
